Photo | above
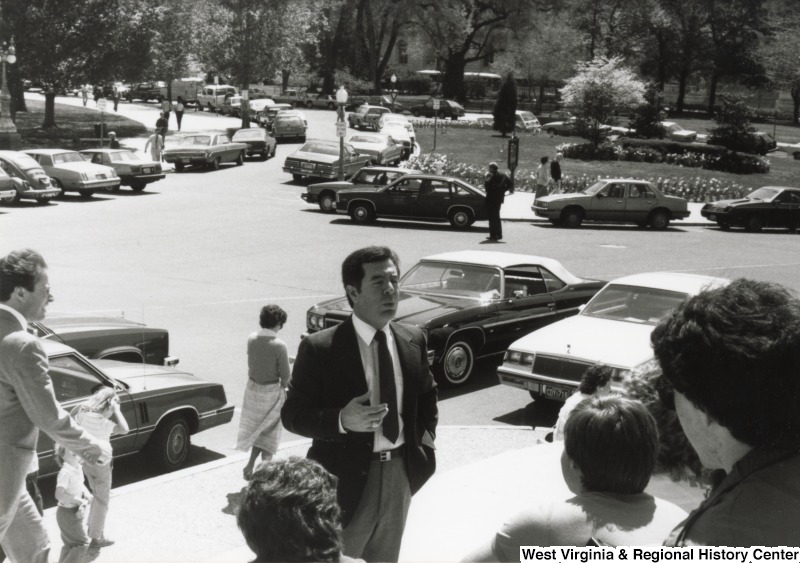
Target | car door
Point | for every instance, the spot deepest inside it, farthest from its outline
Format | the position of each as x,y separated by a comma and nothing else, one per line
352,161
641,200
784,211
525,306
435,197
609,203
400,200
74,381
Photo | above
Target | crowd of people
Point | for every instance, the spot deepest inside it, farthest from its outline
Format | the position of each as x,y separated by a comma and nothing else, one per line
728,376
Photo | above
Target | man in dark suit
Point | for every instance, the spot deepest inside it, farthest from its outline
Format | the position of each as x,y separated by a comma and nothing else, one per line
363,391
496,184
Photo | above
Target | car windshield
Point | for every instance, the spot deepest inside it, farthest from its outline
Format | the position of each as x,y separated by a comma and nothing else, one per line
124,156
459,280
248,134
65,157
288,121
366,139
195,140
527,116
320,148
641,305
764,194
594,188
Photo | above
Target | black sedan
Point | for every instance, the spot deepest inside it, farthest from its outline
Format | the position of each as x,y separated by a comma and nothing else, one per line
770,206
421,197
163,406
447,108
258,141
475,303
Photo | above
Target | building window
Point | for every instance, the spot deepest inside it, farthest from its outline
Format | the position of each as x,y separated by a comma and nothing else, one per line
402,52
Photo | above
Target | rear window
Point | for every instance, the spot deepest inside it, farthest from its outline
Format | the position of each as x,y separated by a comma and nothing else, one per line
290,121
320,148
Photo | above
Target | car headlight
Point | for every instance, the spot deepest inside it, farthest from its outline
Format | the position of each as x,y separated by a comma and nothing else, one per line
315,321
136,169
520,358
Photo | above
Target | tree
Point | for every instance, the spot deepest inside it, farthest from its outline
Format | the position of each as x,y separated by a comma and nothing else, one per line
648,116
172,43
601,88
379,23
734,128
505,109
780,57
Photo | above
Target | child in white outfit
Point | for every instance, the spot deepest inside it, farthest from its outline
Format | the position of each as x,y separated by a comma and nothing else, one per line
73,501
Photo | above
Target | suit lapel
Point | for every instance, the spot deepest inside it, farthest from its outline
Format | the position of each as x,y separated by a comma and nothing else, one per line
408,353
345,345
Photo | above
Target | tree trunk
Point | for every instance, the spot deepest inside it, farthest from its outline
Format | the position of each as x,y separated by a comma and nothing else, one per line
683,76
245,107
453,78
796,99
331,51
712,91
285,73
541,97
49,108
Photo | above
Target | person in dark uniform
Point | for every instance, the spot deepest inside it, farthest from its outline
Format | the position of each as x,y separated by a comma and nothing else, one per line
496,184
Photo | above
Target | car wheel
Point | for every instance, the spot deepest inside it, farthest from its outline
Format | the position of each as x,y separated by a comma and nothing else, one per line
362,213
572,218
16,199
57,183
460,218
754,223
457,363
724,226
659,220
215,163
169,445
86,193
240,159
138,186
326,200
210,107
309,105
179,167
265,154
415,112
297,177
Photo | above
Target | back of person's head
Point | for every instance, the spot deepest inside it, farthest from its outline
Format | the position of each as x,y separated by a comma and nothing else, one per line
613,441
101,400
544,160
19,268
272,316
595,377
734,352
289,512
353,265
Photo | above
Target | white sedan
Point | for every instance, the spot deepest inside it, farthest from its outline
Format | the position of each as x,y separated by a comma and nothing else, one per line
613,329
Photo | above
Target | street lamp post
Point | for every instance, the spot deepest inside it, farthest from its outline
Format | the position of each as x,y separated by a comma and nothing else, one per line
394,90
9,138
341,127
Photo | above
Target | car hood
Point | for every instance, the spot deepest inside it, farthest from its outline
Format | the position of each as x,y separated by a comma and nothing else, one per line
314,156
368,147
728,202
616,343
562,197
148,377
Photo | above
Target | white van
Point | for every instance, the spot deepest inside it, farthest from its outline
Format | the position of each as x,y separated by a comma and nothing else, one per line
213,96
187,88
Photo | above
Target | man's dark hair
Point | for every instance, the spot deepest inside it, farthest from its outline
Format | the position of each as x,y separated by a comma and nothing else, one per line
734,352
271,316
353,265
594,378
544,160
289,512
19,268
614,442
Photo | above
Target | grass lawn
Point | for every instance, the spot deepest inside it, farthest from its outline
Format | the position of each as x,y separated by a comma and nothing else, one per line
478,147
72,123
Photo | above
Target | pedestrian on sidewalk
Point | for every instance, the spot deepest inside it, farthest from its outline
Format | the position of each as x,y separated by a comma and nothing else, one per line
496,184
179,109
162,124
112,140
365,394
268,375
98,93
85,94
555,172
100,415
155,144
74,500
542,175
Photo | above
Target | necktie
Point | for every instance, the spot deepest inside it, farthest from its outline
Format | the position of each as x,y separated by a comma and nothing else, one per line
388,391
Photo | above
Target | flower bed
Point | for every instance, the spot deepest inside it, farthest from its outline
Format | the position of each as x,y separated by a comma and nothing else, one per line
696,189
446,123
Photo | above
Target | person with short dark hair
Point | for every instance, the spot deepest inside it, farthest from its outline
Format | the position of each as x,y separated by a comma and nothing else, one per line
596,380
609,455
268,376
555,172
730,358
543,179
496,184
365,394
162,124
289,512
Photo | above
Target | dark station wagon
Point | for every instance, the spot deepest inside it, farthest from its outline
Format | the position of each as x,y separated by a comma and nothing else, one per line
324,193
475,303
421,197
770,206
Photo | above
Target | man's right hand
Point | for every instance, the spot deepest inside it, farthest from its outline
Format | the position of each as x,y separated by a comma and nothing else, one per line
359,416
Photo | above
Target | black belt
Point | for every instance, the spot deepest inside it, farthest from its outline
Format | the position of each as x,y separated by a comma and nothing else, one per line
389,455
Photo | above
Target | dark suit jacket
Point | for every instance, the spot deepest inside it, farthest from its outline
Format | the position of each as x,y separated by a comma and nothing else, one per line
327,374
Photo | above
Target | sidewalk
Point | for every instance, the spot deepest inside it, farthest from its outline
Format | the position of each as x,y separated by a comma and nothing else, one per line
484,475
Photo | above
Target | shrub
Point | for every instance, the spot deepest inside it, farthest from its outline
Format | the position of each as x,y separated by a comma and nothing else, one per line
647,117
733,130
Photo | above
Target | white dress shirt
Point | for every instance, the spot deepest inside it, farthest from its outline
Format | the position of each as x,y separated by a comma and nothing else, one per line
22,320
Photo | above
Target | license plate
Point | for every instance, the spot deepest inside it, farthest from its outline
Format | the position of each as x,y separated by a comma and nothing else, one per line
147,170
308,165
532,386
559,393
185,160
712,217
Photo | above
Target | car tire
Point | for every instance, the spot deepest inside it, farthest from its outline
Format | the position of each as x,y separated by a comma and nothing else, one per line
169,445
179,167
659,220
572,217
265,154
57,183
215,163
724,226
362,213
458,363
240,159
416,113
16,199
754,223
460,218
325,201
86,193
138,186
210,107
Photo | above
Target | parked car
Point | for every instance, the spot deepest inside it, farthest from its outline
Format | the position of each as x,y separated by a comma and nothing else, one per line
30,179
385,100
258,106
447,108
397,119
621,200
382,148
423,197
258,93
613,329
296,98
8,192
675,132
205,149
558,115
108,338
399,134
187,88
267,116
324,193
321,101
571,126
163,406
320,159
770,206
232,105
289,124
475,303
526,121
258,141
764,142
132,170
214,95
71,172
145,91
366,117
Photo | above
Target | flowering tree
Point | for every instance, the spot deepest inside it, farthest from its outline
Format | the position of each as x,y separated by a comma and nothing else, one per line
601,88
780,56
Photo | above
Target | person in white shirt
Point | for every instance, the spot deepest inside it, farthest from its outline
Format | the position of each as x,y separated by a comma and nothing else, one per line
596,380
73,499
542,175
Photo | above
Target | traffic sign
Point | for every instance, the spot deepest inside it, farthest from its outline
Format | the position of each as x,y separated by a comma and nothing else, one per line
101,104
436,103
341,128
